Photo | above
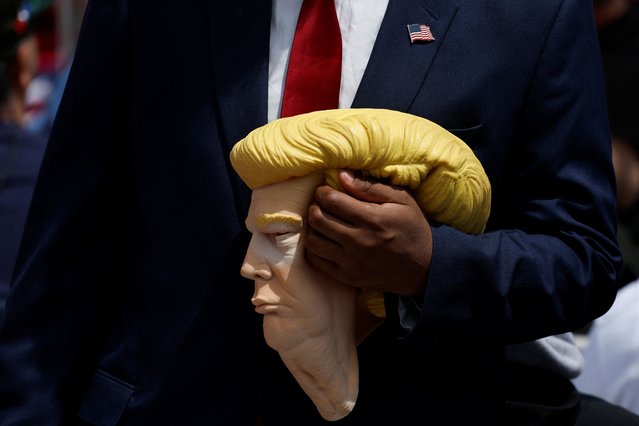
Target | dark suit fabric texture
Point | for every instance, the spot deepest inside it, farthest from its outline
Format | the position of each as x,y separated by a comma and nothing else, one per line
20,156
128,306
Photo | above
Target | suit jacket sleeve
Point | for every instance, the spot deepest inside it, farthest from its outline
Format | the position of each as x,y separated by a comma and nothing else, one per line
548,261
66,279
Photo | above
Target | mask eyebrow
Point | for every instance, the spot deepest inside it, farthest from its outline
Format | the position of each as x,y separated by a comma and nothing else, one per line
265,219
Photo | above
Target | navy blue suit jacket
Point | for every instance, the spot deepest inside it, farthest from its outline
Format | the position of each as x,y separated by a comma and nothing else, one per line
20,156
128,307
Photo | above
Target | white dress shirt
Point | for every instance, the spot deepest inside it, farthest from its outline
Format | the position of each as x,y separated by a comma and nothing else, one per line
359,23
611,371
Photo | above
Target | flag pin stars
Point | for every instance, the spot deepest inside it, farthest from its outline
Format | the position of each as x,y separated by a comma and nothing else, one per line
420,33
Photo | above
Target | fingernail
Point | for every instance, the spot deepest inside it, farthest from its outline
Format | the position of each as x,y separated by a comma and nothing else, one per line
348,176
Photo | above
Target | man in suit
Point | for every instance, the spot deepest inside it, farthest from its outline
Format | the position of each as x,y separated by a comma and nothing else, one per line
128,307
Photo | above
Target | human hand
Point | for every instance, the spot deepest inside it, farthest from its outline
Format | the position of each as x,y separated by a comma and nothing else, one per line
372,236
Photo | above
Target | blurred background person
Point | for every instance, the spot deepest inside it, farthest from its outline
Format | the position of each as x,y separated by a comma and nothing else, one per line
611,369
58,25
37,39
608,12
619,41
20,150
611,353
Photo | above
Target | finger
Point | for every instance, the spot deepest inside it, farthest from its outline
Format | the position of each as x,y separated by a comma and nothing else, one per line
319,245
322,265
330,227
369,191
331,270
339,208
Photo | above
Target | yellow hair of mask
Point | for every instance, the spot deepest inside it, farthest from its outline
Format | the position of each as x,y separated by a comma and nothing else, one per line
439,169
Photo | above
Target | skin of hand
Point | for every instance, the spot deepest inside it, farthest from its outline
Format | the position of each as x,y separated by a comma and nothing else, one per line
371,236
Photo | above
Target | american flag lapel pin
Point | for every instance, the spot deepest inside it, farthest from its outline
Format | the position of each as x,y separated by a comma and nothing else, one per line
420,32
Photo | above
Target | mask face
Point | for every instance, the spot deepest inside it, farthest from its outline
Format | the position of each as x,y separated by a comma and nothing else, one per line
308,318
288,292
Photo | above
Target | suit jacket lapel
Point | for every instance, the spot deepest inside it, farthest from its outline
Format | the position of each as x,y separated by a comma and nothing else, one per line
240,44
397,68
239,50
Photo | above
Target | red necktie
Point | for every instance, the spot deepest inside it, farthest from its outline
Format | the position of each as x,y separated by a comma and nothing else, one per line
315,63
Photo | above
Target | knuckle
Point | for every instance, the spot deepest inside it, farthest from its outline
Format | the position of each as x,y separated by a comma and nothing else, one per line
368,186
314,215
331,199
325,194
309,239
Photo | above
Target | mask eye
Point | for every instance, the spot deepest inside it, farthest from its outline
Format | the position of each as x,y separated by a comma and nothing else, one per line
282,239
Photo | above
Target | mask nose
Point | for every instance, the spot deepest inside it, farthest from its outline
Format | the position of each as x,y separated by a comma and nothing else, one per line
254,266
253,272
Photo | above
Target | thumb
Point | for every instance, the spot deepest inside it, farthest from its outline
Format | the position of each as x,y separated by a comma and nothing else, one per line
368,190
